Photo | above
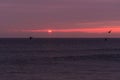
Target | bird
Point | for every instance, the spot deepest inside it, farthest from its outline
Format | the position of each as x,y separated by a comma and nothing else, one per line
30,38
106,39
109,31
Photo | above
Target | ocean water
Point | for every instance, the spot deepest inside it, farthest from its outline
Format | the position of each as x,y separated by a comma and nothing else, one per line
60,59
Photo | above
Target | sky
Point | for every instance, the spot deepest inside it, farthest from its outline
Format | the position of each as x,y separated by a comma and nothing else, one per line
59,18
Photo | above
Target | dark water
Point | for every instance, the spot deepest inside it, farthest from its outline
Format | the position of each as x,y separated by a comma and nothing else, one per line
59,59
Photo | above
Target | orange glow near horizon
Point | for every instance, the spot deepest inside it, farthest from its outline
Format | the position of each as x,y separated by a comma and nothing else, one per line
50,31
86,30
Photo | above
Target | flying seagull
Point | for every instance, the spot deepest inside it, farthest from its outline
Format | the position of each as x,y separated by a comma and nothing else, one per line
109,31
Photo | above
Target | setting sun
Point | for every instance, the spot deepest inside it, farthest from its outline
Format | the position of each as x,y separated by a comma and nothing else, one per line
50,31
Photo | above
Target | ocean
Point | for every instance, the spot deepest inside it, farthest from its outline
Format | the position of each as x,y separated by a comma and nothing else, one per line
59,59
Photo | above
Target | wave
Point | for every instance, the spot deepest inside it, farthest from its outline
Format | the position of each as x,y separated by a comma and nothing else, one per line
54,56
22,61
90,57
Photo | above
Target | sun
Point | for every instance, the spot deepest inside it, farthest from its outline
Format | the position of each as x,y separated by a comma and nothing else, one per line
50,31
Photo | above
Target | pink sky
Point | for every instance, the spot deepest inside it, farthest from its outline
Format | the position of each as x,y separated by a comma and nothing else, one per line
66,18
85,30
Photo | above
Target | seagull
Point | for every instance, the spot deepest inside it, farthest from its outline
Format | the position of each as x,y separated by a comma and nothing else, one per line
30,37
105,39
109,31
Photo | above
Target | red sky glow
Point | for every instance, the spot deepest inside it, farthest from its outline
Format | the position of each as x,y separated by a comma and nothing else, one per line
62,18
88,30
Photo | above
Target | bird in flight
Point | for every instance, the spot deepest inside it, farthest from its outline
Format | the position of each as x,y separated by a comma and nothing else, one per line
109,31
